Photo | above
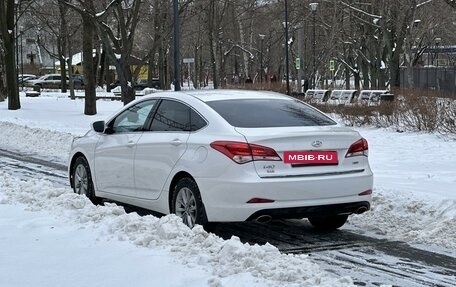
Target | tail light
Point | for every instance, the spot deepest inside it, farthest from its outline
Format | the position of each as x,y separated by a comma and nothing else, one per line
358,148
242,152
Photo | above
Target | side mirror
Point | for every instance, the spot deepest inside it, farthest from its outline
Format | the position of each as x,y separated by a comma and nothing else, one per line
99,126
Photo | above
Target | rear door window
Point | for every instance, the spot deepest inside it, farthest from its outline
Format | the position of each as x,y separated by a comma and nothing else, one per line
171,116
262,113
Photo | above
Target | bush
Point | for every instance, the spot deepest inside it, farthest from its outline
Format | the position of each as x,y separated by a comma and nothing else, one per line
412,110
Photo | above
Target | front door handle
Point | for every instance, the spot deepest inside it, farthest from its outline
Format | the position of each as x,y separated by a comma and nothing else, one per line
131,143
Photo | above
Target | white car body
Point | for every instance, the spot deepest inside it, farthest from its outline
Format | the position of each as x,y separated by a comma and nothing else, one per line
140,168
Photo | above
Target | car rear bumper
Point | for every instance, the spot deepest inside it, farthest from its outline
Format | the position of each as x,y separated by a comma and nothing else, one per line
226,200
313,211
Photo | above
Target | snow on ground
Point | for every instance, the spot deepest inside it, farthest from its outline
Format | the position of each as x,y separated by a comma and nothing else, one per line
61,239
414,187
68,236
414,201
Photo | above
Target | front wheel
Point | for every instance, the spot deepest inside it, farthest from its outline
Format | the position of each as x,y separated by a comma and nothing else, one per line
187,203
82,180
328,222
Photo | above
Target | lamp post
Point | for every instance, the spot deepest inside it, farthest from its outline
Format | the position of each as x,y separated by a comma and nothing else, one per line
299,64
16,39
437,43
287,71
177,86
261,59
22,60
313,8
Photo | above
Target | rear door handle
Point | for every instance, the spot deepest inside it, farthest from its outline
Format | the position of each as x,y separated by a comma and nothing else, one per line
176,142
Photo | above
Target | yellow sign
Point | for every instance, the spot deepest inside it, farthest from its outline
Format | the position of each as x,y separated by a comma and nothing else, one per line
331,65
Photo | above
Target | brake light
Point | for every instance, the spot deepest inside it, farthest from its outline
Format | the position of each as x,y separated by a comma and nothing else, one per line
360,147
242,152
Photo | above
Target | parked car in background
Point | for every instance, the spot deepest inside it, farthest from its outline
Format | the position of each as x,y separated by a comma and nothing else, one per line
79,81
140,84
221,155
25,77
54,81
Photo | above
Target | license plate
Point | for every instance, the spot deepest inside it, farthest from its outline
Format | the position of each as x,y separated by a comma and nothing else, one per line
311,157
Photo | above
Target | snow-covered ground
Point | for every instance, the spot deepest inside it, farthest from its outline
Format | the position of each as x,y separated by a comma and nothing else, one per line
63,240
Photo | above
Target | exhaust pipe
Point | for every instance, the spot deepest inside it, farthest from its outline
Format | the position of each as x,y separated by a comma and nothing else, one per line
361,209
263,219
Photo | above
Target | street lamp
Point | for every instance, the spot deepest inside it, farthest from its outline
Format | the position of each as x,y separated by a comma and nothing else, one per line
22,59
177,86
437,43
286,48
299,59
313,8
16,39
261,59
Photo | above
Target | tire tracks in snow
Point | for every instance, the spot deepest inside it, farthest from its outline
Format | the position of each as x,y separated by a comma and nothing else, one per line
369,261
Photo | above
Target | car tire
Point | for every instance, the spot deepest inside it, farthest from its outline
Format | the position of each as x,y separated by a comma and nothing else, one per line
328,222
187,203
82,180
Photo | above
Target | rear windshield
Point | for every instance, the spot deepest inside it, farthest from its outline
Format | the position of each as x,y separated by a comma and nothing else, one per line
263,113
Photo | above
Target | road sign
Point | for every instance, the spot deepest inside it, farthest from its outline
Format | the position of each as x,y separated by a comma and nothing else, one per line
331,65
188,60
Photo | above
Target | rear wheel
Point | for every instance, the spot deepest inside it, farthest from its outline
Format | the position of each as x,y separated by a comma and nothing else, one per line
82,180
187,203
328,222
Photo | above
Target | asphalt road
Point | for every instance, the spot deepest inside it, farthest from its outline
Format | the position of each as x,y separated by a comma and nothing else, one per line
369,261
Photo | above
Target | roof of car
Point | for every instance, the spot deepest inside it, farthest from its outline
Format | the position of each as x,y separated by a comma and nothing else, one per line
212,95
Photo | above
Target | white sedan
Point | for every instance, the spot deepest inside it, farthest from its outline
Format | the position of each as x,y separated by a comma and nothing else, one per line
225,155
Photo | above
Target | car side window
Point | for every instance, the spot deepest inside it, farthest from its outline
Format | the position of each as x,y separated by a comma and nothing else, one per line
171,116
196,121
134,118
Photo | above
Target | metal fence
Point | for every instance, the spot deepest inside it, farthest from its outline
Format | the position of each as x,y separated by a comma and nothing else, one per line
432,78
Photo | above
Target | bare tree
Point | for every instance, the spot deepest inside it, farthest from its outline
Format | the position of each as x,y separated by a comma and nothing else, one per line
7,28
86,9
117,37
54,18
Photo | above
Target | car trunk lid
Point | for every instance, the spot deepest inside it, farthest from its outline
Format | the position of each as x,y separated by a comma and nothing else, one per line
327,140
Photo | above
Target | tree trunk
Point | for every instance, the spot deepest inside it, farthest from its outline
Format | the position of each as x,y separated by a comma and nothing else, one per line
347,79
11,75
196,66
128,92
63,73
62,44
213,44
102,71
365,71
90,107
2,84
7,27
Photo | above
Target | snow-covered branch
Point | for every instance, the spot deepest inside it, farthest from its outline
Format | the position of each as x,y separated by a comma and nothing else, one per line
361,11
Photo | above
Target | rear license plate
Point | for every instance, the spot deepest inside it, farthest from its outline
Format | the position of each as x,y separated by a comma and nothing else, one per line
311,157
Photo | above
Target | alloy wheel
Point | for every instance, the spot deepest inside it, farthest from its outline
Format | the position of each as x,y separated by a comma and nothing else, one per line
186,207
81,181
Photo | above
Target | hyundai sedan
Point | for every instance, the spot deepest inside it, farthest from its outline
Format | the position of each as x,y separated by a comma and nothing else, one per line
225,156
